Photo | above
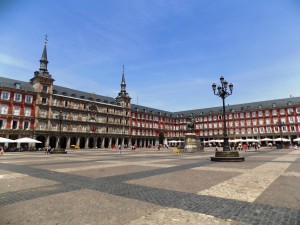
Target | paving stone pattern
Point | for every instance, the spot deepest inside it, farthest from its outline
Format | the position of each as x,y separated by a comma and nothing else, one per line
104,187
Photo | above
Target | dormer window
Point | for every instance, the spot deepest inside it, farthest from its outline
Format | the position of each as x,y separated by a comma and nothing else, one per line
64,93
260,106
289,103
82,97
17,85
54,91
73,95
273,104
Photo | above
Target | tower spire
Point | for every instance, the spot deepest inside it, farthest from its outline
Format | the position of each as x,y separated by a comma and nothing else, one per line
123,92
44,60
123,83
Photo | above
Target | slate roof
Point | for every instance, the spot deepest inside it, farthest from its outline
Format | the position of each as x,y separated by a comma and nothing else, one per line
268,104
141,108
10,83
234,108
69,92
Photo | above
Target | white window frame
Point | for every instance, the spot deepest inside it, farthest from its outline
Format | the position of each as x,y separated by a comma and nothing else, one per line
16,110
262,130
292,128
290,110
17,97
26,121
12,123
4,109
5,95
27,111
28,98
4,121
291,119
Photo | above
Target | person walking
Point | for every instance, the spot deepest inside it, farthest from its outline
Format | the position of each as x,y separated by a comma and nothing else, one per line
1,150
120,149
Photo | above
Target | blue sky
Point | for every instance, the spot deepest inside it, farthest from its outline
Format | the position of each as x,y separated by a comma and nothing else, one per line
173,50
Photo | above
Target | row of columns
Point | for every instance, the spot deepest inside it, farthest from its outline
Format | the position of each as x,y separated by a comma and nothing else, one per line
118,141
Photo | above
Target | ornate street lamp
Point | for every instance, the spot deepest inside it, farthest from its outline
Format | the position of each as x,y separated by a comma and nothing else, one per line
223,93
61,117
226,155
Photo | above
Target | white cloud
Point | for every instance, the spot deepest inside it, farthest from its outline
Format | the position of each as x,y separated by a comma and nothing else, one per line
14,62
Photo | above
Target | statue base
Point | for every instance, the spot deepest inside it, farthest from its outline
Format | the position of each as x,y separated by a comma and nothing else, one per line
59,151
227,156
190,143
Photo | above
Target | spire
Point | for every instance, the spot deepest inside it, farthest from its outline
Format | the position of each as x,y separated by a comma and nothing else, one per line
123,92
44,61
123,84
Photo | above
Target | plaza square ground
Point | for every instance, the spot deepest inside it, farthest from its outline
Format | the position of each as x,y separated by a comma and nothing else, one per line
147,186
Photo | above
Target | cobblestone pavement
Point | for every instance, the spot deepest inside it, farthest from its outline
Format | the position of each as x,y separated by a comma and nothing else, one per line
149,187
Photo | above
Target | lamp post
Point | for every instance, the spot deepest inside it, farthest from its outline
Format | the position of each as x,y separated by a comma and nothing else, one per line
223,93
61,117
280,124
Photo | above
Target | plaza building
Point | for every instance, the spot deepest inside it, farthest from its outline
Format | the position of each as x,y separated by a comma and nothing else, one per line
64,117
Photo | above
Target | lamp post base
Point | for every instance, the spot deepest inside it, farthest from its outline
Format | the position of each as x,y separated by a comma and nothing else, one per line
227,156
59,151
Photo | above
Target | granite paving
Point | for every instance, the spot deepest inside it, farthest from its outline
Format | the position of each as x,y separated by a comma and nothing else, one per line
101,186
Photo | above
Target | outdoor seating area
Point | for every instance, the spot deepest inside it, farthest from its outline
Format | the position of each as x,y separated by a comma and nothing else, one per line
18,145
252,140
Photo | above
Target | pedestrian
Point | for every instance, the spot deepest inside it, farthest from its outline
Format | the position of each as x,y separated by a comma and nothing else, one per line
1,150
46,150
49,149
120,149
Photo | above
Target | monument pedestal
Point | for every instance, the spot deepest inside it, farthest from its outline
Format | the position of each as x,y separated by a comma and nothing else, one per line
190,143
59,151
227,156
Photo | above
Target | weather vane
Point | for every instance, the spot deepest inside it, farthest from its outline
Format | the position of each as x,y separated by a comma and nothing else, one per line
46,38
